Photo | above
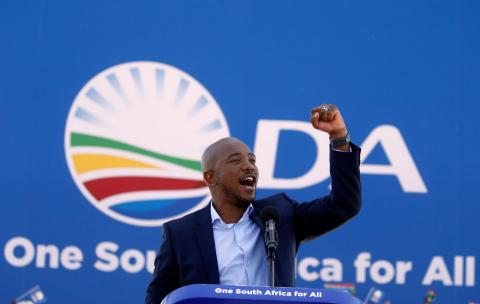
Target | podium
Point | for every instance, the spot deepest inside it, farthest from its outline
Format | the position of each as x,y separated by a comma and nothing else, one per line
228,294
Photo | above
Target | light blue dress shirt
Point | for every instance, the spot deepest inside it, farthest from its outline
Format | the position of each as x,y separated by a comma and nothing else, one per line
240,251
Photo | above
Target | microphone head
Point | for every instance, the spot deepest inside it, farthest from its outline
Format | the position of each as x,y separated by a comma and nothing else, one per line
270,213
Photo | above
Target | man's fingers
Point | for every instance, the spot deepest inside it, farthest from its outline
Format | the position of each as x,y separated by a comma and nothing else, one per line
325,112
313,118
324,115
332,115
327,118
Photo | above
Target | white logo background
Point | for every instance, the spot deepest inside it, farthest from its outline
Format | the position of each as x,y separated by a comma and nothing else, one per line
149,105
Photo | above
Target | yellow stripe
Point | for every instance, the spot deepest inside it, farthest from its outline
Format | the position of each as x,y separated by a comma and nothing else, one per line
91,162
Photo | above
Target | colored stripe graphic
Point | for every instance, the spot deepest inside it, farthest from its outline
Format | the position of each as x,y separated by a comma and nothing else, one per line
105,187
78,140
153,209
91,162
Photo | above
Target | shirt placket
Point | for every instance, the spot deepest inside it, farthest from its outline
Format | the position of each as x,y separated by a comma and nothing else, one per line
240,237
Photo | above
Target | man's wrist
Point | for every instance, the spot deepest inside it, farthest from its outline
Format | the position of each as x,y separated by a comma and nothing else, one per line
340,143
338,133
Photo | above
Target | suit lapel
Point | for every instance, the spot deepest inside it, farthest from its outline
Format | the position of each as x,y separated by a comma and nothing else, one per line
255,217
206,245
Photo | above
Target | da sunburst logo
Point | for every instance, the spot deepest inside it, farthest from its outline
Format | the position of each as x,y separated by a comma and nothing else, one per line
134,138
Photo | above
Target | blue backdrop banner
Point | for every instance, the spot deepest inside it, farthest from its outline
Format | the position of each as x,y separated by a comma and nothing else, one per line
106,107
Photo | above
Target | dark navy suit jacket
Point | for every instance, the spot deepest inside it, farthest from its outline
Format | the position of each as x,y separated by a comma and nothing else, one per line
187,254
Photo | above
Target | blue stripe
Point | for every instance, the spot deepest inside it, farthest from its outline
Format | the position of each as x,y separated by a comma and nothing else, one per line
112,78
214,125
84,115
182,89
156,209
147,205
160,79
137,79
201,103
99,99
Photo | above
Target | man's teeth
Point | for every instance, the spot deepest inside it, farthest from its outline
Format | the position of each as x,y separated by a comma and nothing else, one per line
248,181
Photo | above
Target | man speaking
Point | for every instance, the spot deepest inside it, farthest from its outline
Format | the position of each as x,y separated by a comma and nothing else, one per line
223,242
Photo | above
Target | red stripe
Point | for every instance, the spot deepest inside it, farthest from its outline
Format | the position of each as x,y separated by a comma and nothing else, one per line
104,187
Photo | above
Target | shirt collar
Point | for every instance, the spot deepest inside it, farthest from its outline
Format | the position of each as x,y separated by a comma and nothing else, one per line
217,219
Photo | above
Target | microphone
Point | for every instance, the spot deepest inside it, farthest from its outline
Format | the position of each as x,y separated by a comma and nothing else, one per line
270,217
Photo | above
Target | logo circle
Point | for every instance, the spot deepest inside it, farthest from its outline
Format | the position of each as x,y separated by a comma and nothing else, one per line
134,138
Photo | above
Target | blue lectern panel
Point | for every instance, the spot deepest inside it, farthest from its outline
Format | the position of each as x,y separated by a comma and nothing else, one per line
227,294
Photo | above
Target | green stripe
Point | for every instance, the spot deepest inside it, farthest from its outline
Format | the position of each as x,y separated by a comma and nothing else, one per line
78,140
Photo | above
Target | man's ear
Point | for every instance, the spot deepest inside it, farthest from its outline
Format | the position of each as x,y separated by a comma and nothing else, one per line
208,177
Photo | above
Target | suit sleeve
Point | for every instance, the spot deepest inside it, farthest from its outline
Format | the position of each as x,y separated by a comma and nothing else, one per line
324,214
166,276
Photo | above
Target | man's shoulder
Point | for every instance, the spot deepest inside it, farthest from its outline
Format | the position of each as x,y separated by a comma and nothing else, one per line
186,221
278,199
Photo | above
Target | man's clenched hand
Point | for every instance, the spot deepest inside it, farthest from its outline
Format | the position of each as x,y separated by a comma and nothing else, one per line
327,118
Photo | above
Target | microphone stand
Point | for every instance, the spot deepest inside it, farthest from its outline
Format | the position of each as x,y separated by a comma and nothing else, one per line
271,217
271,238
271,268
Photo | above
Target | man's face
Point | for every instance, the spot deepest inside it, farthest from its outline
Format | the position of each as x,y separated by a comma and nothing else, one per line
235,174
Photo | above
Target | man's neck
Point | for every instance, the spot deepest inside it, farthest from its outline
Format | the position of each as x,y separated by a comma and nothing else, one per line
228,212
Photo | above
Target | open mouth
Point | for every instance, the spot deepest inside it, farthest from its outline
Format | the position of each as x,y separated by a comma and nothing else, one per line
248,180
